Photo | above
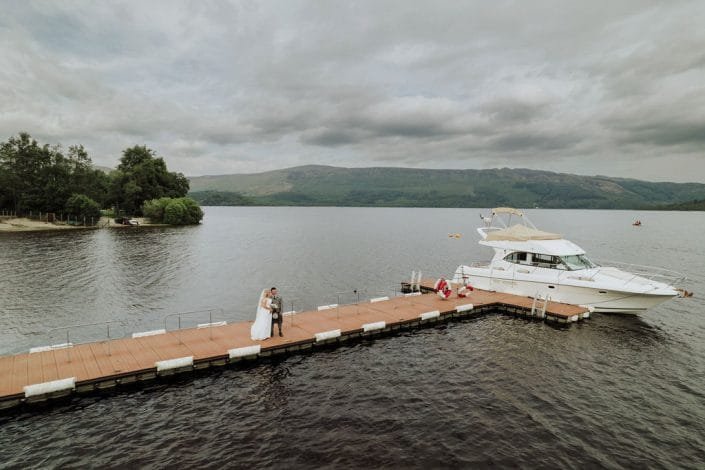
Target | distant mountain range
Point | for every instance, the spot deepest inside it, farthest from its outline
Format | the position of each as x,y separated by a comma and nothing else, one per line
316,185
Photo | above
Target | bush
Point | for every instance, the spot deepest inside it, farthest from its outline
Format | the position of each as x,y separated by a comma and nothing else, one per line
154,209
177,211
81,206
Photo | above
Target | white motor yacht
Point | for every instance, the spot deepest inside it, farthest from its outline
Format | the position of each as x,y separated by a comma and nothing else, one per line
534,263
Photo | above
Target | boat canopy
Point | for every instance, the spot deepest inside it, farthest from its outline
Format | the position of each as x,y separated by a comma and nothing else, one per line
507,210
520,233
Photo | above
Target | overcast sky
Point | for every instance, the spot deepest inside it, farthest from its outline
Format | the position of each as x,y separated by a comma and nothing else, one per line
613,88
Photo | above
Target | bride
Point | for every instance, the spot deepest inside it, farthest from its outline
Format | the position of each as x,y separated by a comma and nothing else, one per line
262,326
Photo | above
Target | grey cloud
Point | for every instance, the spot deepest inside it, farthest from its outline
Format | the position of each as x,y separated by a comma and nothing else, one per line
666,133
220,85
522,142
327,137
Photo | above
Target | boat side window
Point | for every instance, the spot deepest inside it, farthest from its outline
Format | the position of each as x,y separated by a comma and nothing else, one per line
546,261
575,262
518,257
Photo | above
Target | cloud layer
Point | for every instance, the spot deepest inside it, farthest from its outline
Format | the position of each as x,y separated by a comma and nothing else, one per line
215,87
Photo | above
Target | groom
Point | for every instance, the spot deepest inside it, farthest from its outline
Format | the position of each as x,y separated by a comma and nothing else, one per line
277,310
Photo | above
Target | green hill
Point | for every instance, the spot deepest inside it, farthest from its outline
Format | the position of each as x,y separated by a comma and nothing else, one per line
694,205
398,187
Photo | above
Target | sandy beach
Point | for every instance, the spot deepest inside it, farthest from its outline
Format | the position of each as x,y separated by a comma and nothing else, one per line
27,225
21,224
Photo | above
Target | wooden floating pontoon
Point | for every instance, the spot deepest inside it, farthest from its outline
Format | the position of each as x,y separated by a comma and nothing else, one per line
61,370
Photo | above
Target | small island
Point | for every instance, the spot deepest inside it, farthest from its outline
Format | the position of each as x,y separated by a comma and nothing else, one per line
43,187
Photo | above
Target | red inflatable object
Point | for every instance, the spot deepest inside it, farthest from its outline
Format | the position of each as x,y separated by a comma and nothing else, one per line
442,288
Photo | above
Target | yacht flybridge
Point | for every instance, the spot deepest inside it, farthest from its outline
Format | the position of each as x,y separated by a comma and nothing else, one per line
534,263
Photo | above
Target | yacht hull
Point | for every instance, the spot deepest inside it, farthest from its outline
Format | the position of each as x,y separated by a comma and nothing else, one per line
597,299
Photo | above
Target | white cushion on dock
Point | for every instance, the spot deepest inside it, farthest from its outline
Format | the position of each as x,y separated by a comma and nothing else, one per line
433,314
378,299
290,312
211,325
327,335
53,347
464,308
327,307
149,333
378,325
49,387
244,351
174,363
413,294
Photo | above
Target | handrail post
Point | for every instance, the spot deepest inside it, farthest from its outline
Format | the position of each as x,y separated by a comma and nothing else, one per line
68,349
178,334
109,351
210,321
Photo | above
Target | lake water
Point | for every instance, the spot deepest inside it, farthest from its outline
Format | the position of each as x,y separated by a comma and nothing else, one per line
611,392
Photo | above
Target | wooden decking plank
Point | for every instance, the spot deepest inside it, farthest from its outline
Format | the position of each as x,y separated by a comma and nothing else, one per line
107,369
165,346
84,354
313,326
142,357
293,334
20,373
76,368
34,369
200,344
142,351
49,369
234,336
121,356
6,365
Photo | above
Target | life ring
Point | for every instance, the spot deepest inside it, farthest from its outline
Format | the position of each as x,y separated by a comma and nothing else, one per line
465,290
442,288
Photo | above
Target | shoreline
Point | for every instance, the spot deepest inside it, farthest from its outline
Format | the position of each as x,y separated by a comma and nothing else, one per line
23,224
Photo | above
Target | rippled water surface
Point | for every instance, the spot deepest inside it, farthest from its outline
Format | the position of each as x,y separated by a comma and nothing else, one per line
610,392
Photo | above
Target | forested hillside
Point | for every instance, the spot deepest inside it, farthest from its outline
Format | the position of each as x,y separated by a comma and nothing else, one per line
325,185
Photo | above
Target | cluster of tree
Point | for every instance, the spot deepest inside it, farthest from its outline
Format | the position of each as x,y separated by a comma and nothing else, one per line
694,205
43,178
178,211
221,198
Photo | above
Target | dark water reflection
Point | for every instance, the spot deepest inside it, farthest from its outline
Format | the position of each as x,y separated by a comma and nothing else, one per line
612,392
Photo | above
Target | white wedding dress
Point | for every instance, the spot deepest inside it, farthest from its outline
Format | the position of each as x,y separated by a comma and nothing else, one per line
262,326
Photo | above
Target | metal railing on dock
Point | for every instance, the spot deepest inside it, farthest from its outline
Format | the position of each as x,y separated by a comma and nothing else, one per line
72,328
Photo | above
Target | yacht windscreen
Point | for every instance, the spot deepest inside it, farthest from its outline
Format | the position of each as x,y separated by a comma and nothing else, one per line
575,262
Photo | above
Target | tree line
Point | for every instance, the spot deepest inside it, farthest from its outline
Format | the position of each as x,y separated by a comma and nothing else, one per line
46,178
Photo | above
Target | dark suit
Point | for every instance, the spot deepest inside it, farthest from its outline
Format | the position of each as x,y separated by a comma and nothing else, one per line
278,308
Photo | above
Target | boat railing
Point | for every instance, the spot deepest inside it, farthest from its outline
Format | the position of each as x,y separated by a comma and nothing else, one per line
480,264
652,273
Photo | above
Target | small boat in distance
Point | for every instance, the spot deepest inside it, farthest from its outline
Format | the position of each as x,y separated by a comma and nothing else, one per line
534,263
637,223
